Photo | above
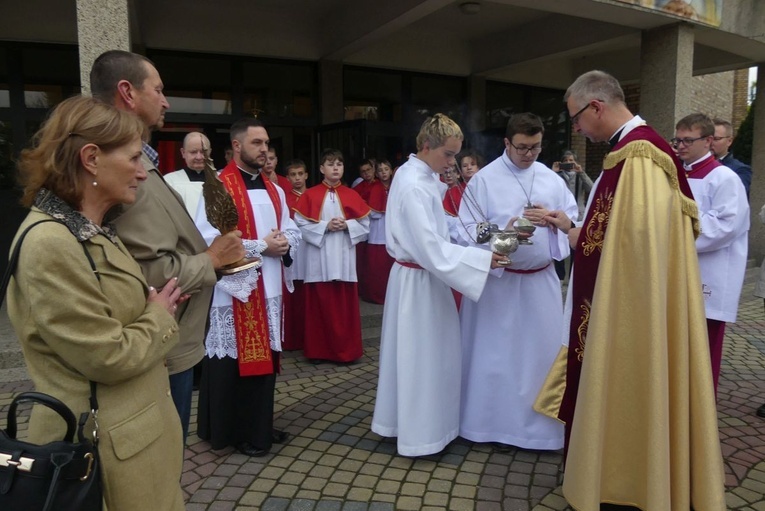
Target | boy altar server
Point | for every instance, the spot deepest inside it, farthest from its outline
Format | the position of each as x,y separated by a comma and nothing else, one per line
420,355
333,219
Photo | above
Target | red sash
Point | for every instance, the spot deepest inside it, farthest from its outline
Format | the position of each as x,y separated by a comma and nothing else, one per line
312,202
250,318
587,261
702,169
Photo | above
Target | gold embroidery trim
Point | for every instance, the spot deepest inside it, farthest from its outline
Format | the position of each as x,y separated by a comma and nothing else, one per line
252,347
645,149
582,330
595,231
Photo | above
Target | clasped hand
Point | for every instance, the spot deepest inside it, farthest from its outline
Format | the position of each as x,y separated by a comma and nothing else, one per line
277,244
169,297
337,224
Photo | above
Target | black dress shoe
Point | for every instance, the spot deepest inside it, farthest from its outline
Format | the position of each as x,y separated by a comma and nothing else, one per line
760,411
248,449
279,437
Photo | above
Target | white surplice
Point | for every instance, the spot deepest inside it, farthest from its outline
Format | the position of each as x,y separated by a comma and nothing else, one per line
511,336
221,338
724,240
418,391
330,255
190,191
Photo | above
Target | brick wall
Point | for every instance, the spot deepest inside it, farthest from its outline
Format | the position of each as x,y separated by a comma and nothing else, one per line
713,94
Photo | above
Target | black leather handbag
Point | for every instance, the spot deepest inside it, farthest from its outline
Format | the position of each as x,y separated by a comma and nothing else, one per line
59,476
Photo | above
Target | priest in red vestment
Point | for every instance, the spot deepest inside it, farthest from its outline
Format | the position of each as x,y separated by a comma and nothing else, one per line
633,383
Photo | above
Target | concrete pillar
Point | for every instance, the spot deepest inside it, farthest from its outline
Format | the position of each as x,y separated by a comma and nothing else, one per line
331,91
476,103
101,25
666,69
757,194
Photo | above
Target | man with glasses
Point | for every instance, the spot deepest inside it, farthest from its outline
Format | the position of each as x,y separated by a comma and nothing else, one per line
723,242
511,335
634,382
721,149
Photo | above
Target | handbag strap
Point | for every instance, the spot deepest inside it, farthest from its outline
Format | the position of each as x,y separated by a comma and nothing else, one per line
11,269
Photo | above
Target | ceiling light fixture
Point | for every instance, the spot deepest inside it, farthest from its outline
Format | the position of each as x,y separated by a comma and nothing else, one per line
470,8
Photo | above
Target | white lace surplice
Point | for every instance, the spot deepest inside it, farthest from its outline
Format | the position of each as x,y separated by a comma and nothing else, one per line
221,339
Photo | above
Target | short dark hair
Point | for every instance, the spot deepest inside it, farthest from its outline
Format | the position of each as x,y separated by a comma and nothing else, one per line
113,66
331,154
697,120
725,124
369,161
471,153
243,124
297,162
525,123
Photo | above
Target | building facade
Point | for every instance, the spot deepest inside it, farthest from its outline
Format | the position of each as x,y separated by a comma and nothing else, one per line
361,75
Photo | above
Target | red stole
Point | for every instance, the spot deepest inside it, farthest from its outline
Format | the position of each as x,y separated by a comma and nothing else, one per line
587,260
312,202
700,170
378,196
250,318
453,198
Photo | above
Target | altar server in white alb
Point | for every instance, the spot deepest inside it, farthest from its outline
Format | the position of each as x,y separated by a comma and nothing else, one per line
511,335
420,354
723,243
188,181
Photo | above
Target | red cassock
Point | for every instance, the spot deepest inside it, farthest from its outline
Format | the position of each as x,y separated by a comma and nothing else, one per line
363,189
332,321
294,306
374,281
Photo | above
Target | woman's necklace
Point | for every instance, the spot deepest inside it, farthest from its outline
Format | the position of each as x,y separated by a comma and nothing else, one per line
528,205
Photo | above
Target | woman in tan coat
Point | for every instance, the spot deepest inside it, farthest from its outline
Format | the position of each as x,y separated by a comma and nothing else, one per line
75,326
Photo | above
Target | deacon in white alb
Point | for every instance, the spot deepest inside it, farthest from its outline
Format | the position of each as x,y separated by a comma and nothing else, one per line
511,336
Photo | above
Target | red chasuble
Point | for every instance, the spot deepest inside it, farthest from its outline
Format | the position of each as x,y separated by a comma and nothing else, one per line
250,318
453,198
587,260
312,201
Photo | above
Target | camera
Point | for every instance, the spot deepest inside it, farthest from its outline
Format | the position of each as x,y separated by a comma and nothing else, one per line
566,166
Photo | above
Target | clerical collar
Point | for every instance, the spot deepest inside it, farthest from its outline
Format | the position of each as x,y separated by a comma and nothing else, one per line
690,167
624,129
615,138
194,175
251,181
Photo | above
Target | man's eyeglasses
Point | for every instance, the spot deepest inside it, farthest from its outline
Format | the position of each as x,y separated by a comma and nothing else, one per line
575,117
717,139
685,142
535,149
